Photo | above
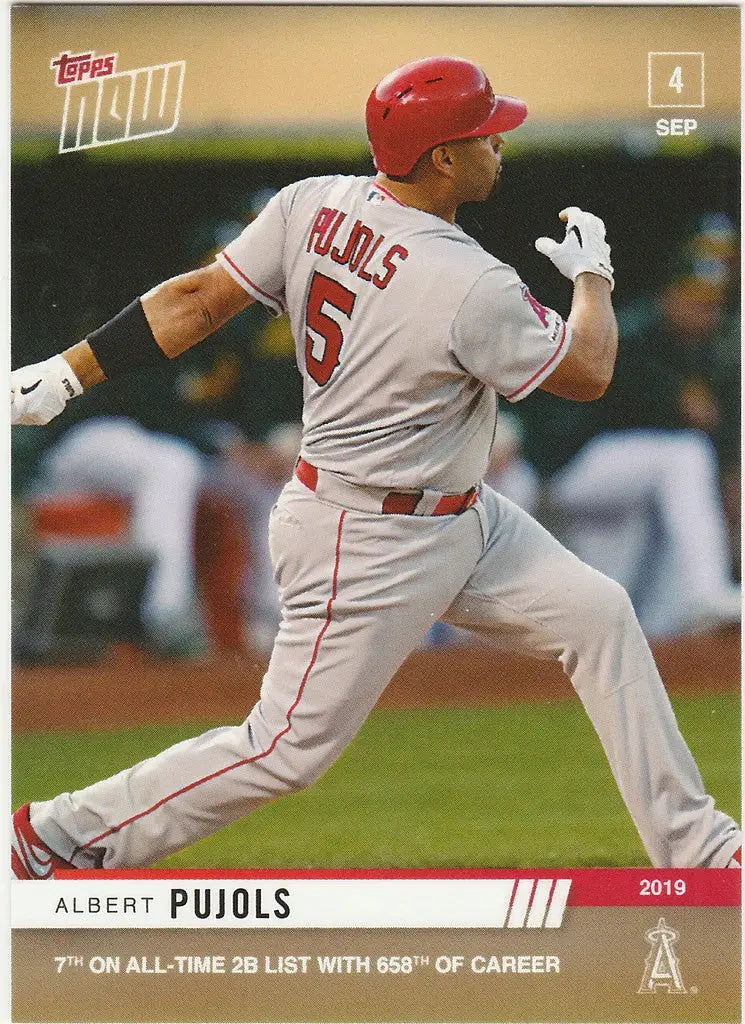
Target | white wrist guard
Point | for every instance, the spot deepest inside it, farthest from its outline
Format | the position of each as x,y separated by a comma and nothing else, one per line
41,391
584,249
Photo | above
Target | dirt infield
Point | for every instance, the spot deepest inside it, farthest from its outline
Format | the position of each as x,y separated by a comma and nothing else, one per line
130,689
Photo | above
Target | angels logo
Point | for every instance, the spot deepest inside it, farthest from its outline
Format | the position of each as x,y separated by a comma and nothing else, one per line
104,106
661,970
540,310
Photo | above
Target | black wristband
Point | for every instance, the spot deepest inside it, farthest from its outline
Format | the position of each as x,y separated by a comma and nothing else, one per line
125,343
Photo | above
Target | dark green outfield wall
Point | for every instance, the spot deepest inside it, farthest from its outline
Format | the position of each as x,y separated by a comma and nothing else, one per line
90,234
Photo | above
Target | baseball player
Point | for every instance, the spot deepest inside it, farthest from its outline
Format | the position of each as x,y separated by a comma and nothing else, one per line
406,333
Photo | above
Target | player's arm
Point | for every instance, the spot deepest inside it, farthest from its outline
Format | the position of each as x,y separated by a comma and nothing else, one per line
584,257
586,370
164,323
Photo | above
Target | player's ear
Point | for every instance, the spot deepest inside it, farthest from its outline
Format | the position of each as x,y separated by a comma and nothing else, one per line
442,159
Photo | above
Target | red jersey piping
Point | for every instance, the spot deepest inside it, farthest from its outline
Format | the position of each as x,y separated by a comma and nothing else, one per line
248,280
390,195
545,366
277,738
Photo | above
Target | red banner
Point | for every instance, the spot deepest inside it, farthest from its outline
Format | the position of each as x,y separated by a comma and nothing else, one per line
591,887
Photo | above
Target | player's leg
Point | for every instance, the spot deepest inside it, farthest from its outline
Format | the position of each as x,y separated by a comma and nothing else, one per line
698,554
353,609
167,466
605,497
252,496
614,488
534,596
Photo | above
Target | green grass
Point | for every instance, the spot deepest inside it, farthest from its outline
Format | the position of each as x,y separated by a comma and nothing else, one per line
520,785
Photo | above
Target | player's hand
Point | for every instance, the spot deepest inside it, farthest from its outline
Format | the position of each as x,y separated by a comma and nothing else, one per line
41,391
584,248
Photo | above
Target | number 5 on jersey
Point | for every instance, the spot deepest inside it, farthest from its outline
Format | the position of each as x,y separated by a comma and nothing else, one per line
325,291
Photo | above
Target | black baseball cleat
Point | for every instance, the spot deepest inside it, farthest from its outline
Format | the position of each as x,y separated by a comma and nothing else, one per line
30,857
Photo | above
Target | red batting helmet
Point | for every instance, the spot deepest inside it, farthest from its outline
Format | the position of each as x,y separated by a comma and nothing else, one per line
430,101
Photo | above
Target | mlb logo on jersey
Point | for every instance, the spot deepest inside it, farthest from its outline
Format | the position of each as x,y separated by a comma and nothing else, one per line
375,197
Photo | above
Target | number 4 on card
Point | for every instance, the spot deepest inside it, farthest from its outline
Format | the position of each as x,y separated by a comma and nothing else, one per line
675,79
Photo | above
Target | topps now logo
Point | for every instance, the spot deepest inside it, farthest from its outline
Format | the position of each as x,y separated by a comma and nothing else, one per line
104,106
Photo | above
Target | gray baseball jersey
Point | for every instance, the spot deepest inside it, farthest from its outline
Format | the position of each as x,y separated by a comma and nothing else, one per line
394,396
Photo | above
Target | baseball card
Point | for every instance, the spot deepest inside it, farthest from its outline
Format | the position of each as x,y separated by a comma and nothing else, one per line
375,513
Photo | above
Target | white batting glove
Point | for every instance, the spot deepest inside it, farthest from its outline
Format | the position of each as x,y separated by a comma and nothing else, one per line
41,391
584,248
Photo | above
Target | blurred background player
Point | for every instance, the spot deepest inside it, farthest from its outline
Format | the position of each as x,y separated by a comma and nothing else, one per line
158,477
642,499
218,429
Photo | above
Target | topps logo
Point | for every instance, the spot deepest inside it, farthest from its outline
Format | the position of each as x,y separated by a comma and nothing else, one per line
79,67
104,106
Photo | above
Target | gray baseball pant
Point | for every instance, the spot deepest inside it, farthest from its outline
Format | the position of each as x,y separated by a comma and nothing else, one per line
359,593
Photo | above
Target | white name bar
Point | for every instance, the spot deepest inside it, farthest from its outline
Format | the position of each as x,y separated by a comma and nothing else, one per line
294,903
